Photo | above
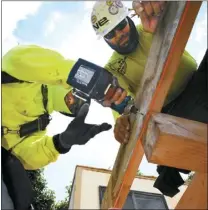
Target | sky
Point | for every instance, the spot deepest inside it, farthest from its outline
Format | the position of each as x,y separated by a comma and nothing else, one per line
65,27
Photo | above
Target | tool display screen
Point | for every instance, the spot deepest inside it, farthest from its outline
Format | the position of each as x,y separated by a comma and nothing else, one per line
84,75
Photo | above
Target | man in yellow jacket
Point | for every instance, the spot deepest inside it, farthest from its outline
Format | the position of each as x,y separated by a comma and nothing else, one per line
37,88
131,45
22,102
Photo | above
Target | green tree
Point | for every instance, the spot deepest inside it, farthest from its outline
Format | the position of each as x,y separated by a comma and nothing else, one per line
139,173
190,177
64,204
44,198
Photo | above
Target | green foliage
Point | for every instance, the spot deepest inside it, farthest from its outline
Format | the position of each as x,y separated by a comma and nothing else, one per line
64,204
61,205
139,173
44,198
190,177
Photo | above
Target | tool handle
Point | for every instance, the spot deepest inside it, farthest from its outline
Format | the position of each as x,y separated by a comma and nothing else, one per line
121,107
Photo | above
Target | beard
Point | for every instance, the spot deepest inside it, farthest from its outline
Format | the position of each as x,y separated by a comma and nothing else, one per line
124,40
132,43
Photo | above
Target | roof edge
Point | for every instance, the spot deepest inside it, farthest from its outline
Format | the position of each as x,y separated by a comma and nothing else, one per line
102,170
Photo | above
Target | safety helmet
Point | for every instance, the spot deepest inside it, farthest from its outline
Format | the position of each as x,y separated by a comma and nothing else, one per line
106,15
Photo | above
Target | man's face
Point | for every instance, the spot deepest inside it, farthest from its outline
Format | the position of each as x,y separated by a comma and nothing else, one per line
119,36
69,100
73,103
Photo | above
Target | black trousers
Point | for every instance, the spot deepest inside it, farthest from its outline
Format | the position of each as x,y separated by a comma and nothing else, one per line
191,104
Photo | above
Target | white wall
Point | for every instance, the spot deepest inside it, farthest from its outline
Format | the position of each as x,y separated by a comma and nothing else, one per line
71,203
91,180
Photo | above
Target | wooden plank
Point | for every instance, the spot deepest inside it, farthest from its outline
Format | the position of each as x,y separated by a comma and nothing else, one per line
195,196
171,36
176,142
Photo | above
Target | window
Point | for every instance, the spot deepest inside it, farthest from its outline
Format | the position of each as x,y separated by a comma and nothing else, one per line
140,200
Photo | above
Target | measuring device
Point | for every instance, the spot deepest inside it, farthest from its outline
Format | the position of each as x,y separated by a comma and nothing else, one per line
91,81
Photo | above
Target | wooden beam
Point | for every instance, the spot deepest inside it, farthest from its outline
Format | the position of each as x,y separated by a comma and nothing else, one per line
168,45
176,142
195,196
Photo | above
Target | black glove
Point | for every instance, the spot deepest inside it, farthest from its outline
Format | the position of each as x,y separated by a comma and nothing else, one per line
78,132
169,180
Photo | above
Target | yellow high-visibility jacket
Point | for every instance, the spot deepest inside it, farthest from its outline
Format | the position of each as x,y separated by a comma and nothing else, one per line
22,102
130,68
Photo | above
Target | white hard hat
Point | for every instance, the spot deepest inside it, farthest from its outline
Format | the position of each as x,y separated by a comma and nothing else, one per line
106,15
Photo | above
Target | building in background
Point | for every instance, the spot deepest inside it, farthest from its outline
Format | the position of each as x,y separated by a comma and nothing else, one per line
89,185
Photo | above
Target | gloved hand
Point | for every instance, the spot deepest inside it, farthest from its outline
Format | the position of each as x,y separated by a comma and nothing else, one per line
169,180
78,132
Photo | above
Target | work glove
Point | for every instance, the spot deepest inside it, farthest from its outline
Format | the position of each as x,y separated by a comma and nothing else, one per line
78,132
169,180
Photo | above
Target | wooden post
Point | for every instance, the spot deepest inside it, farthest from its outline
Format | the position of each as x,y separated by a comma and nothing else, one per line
176,142
168,45
195,196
